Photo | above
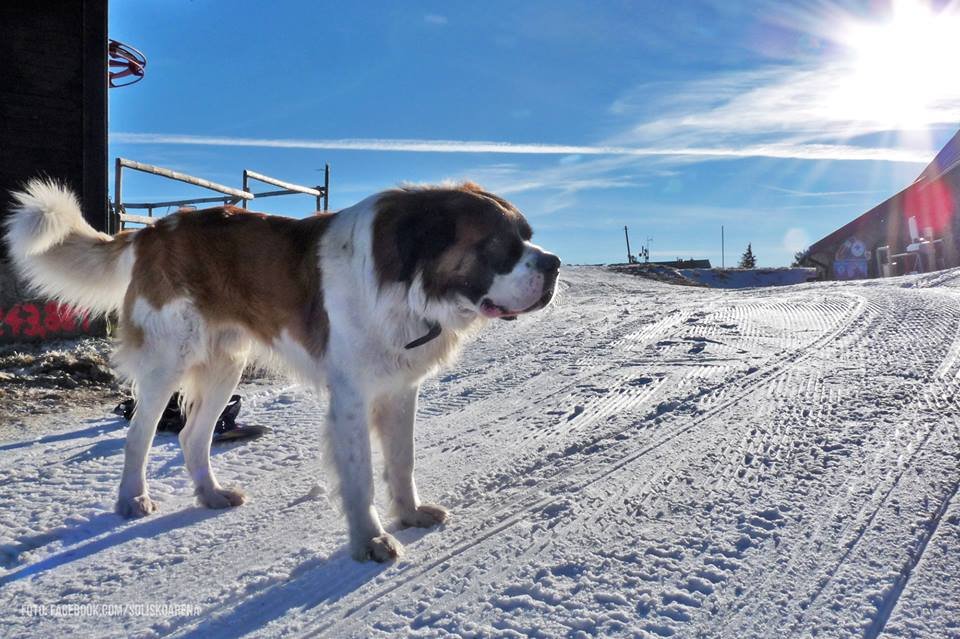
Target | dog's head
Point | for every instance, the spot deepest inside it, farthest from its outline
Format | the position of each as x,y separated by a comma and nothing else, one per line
464,248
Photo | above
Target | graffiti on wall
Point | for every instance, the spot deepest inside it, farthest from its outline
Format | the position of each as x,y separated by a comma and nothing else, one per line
39,320
850,262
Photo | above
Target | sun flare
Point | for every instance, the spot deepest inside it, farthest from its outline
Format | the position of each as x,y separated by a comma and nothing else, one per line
898,71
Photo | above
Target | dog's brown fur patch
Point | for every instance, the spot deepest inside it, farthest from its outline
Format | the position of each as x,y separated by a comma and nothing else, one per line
253,270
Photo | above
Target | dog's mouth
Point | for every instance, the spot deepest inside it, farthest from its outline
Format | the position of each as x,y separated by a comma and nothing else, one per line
491,310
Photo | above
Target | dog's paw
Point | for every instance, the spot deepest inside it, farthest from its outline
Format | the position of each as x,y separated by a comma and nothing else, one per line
219,498
380,549
135,507
425,516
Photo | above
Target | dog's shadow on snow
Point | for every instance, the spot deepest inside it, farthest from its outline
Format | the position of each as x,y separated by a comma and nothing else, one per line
311,586
112,447
100,426
143,529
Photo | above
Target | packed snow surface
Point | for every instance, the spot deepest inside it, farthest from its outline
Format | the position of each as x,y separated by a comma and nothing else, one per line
639,459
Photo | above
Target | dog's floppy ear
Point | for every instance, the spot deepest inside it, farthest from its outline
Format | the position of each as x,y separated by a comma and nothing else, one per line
412,228
422,236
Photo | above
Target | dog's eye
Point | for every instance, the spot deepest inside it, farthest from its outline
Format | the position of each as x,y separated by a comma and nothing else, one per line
502,254
492,248
494,252
515,252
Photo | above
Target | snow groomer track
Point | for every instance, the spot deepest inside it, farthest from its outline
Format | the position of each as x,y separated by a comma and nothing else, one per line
639,459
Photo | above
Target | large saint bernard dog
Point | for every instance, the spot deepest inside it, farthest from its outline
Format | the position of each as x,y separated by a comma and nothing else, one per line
367,302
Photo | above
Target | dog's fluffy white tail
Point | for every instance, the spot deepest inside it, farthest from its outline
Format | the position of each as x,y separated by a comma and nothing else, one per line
63,257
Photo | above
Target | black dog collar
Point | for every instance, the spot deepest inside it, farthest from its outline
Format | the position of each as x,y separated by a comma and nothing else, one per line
432,334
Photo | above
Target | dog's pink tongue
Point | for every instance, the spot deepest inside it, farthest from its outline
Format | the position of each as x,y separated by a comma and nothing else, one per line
489,309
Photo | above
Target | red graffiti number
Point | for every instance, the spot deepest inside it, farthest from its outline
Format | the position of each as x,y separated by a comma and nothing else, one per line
52,321
13,320
34,326
32,320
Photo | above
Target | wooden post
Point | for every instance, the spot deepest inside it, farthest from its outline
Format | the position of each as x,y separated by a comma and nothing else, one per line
115,225
95,197
326,186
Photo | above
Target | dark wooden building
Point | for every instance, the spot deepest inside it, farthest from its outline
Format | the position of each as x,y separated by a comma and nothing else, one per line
53,119
53,97
916,230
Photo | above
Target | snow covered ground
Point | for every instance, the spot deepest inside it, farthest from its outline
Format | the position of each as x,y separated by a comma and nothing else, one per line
638,460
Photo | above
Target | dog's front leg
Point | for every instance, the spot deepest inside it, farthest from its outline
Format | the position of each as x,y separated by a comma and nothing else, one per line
394,415
349,447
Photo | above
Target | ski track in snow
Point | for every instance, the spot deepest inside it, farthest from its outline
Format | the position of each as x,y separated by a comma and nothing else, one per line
637,460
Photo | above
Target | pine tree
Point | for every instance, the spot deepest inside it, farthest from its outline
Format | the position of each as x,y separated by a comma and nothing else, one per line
799,257
748,260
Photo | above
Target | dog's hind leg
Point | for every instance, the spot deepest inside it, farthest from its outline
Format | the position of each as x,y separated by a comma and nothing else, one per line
207,391
154,386
394,415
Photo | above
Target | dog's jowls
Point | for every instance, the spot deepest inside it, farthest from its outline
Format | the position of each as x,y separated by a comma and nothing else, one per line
366,302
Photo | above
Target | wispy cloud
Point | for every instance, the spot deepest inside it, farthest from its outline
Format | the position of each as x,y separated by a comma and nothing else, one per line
793,105
785,150
564,180
845,206
798,193
433,18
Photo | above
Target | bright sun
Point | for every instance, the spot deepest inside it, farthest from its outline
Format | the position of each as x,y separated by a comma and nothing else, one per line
900,70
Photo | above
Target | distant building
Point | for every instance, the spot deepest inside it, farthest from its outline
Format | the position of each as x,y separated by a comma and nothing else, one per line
691,263
915,231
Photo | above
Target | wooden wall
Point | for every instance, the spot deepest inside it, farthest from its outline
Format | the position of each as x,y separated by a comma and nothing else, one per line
53,97
53,121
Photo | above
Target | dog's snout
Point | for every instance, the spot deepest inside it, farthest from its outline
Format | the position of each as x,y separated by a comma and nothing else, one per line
548,262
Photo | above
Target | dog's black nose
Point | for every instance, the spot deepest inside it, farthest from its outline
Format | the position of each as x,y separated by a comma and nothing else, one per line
548,262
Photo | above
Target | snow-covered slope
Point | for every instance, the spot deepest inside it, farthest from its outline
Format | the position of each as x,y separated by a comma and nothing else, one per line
637,460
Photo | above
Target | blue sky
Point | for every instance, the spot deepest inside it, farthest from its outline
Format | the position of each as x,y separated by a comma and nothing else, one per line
673,118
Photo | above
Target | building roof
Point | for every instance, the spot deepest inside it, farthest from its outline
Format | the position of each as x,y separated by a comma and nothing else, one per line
945,160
